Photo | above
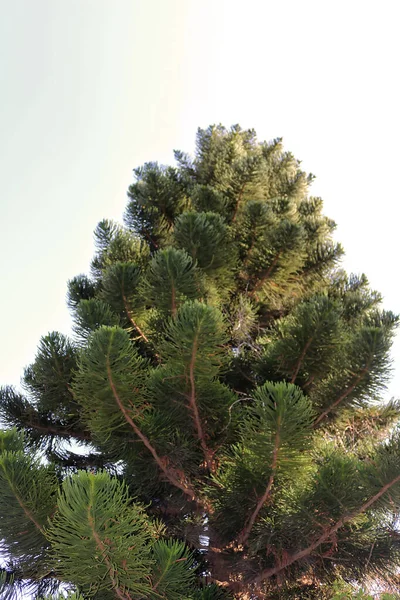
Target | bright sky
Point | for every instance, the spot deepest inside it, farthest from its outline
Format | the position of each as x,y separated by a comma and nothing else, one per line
91,89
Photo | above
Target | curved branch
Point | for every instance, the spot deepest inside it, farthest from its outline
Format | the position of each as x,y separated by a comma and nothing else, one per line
133,322
268,573
244,536
168,471
193,405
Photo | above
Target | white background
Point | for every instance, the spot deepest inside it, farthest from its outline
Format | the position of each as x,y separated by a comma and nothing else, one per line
90,89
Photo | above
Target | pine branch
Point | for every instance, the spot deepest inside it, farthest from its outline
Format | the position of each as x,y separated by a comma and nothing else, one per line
17,411
173,299
193,404
59,431
328,533
103,550
244,536
173,570
267,274
168,471
121,283
164,572
301,359
18,498
101,541
238,201
343,396
131,319
275,434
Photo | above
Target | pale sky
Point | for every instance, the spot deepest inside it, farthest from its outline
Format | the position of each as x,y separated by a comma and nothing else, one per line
91,89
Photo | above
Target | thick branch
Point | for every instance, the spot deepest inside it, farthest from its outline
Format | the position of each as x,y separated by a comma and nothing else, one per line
169,472
268,573
244,536
349,390
61,432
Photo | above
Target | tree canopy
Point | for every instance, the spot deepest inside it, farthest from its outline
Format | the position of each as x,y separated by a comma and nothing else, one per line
215,427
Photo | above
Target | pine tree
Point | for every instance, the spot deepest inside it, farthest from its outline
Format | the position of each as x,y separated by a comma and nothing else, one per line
215,427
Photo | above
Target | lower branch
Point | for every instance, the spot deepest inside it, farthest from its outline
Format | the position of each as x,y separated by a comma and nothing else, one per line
244,536
268,573
58,431
25,509
110,568
193,405
168,471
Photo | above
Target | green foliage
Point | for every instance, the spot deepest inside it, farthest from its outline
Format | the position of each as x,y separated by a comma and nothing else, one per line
359,429
120,287
361,369
80,288
196,334
206,238
93,549
223,394
172,575
156,198
306,341
115,244
68,596
109,383
211,592
49,377
275,436
27,500
92,314
343,591
185,390
170,280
